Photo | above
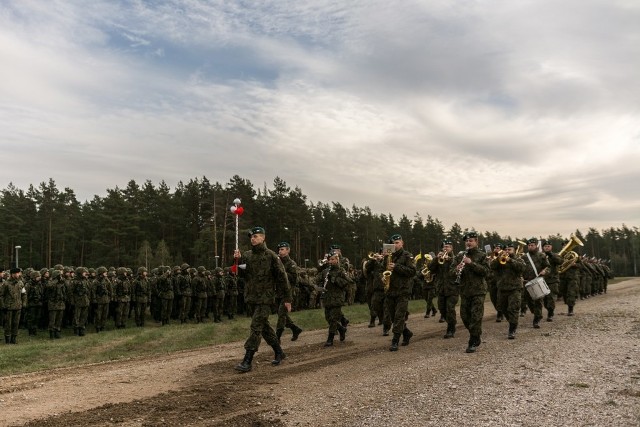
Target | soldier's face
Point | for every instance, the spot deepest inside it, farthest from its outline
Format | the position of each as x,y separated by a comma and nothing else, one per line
283,252
547,248
448,248
471,243
510,250
256,239
532,247
398,244
333,260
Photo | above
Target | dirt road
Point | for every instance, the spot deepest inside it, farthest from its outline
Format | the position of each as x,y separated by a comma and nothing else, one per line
581,370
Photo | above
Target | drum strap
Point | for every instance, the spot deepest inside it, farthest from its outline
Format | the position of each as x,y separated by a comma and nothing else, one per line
535,270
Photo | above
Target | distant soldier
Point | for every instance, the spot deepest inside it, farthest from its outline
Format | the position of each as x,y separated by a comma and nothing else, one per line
220,285
448,292
232,295
492,281
373,269
56,293
80,295
184,285
35,297
141,295
14,297
552,278
122,296
199,285
284,320
334,281
537,265
102,295
165,292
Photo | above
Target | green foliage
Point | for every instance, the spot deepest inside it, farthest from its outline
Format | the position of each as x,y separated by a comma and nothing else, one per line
193,224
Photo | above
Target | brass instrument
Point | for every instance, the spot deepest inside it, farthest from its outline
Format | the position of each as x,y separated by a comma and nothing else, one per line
520,249
503,257
443,257
460,267
386,274
425,271
570,257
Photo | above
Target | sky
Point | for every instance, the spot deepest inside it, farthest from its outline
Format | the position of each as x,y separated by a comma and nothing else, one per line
521,117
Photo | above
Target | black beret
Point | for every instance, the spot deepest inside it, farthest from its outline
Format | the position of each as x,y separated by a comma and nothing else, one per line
256,230
532,240
512,245
283,245
334,246
470,235
395,237
498,245
447,242
15,270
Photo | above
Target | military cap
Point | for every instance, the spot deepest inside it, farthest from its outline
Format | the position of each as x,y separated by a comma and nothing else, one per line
446,242
334,246
498,245
545,242
331,254
256,230
15,270
532,240
283,245
511,245
470,235
395,237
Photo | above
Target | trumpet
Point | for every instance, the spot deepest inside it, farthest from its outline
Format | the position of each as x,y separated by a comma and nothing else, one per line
503,257
443,257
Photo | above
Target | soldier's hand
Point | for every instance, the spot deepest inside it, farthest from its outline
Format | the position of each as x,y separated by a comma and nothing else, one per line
236,253
392,265
287,305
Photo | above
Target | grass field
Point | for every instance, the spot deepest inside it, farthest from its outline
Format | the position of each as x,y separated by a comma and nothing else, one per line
39,352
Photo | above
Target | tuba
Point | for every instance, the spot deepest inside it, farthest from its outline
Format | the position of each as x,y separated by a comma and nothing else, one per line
520,249
570,257
425,271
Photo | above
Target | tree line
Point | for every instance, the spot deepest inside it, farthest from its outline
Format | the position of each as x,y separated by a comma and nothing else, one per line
150,225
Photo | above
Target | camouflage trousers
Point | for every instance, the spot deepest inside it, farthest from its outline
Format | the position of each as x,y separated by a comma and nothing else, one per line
102,312
284,320
447,306
493,295
33,317
471,312
535,306
55,320
549,301
80,317
333,315
396,308
141,311
376,309
569,289
122,311
429,295
260,328
184,307
508,302
166,305
10,321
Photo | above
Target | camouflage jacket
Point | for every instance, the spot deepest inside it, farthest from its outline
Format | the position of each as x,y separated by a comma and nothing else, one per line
473,278
14,295
445,285
56,292
539,260
264,276
402,273
80,291
334,282
508,276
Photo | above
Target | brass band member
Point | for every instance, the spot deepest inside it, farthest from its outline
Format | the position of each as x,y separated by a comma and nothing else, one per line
396,302
335,281
552,278
373,269
537,265
448,292
470,269
507,270
491,282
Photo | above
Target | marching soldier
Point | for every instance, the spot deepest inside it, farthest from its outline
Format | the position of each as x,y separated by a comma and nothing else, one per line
448,291
396,301
373,269
334,283
284,320
507,271
265,278
470,269
552,278
537,265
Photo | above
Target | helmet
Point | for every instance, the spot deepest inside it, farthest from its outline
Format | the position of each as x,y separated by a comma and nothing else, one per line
81,270
92,270
201,269
184,266
121,271
35,274
142,270
56,274
101,270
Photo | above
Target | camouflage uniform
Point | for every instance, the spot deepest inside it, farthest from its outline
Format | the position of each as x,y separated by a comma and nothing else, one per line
80,296
232,292
396,300
56,294
122,297
141,295
265,277
473,289
448,293
219,283
541,263
35,297
165,293
508,277
14,297
184,286
284,320
199,284
334,283
373,271
552,278
102,295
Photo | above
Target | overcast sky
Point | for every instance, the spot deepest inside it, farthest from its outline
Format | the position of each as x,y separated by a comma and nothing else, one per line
521,117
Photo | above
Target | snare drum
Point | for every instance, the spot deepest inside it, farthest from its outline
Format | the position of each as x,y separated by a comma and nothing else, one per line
537,288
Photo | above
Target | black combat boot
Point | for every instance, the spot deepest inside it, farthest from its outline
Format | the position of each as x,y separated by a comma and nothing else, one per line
385,331
433,311
499,317
441,320
56,334
427,314
406,336
477,341
81,332
536,323
471,347
343,332
13,339
344,321
550,315
279,355
329,342
279,332
570,313
372,322
296,331
7,339
451,330
394,342
512,331
245,365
